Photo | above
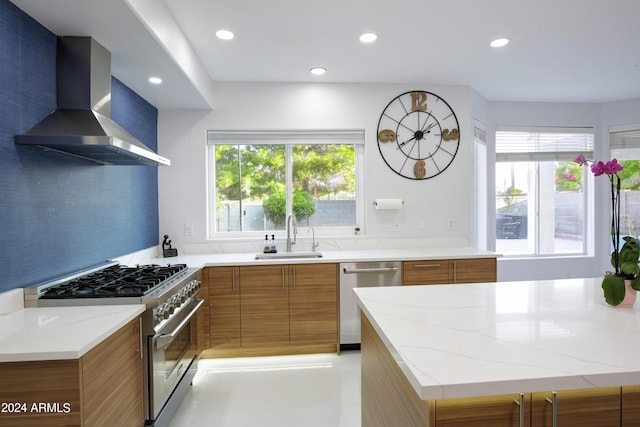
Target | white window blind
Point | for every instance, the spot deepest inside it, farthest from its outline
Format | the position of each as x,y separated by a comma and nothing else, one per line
264,137
543,143
624,138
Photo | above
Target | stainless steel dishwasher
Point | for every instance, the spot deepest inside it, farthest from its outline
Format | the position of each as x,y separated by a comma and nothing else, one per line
359,275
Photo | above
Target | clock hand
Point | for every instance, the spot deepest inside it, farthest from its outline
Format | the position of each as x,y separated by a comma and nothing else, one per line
427,130
402,144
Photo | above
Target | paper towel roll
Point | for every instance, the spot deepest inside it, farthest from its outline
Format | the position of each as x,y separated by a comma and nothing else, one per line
383,204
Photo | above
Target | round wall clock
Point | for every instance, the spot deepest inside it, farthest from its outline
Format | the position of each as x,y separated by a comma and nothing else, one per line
418,135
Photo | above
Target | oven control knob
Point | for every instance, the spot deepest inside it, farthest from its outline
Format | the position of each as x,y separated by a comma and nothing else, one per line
170,307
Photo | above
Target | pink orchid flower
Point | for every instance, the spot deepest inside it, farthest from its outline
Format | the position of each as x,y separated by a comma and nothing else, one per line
598,168
580,160
612,167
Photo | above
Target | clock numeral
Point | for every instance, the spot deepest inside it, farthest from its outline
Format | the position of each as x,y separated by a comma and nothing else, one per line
418,101
450,135
419,169
386,135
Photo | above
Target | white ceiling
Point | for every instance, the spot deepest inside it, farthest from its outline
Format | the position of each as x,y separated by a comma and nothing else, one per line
561,50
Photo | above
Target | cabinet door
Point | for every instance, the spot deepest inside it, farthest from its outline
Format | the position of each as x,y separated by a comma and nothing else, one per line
224,307
203,320
313,293
597,407
485,411
112,380
475,270
425,272
264,298
631,406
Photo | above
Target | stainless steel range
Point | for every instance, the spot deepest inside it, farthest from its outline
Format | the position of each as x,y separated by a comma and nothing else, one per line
169,327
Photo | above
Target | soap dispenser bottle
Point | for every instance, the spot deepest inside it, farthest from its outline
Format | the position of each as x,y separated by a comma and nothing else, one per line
266,249
273,244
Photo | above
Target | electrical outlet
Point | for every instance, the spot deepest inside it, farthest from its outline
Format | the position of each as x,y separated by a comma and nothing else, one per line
452,224
188,229
396,226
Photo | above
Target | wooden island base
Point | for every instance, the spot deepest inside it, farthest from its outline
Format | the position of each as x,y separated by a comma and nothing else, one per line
388,400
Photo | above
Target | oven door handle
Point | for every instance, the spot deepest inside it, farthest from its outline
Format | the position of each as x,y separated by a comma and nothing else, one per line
164,340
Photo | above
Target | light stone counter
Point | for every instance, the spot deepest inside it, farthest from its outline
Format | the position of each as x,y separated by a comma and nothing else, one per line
56,333
357,255
510,337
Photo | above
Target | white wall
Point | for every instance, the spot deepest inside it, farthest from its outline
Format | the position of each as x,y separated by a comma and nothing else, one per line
182,186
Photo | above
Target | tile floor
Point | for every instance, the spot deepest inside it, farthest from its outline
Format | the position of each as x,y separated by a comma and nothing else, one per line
286,391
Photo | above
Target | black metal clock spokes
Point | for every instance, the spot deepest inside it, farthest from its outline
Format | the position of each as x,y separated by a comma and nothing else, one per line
418,135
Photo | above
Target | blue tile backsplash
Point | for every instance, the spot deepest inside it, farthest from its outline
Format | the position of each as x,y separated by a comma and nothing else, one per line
59,214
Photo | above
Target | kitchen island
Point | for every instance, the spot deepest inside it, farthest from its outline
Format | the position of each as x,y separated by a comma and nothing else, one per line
464,354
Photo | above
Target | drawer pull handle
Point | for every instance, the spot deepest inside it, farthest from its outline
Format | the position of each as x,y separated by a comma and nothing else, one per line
520,404
554,409
370,270
426,265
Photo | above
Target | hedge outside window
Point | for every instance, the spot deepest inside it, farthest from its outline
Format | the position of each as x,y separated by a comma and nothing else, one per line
259,178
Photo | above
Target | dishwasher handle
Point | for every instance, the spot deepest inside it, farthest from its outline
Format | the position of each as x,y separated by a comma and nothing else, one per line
370,270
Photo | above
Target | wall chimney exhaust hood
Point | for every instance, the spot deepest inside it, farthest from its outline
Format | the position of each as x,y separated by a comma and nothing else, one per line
81,126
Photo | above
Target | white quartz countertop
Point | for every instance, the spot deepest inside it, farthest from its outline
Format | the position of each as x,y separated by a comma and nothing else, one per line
358,255
55,333
510,337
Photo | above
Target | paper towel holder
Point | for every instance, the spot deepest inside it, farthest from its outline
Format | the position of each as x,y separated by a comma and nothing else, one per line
388,204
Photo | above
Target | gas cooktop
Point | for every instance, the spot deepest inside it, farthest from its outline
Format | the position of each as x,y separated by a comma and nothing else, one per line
114,281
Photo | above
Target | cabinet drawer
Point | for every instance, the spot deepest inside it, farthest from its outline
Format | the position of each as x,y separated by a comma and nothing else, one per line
473,270
425,272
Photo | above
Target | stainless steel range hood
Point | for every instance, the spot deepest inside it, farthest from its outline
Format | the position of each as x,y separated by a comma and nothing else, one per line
81,126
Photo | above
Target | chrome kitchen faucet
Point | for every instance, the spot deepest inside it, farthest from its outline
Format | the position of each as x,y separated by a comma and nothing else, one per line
291,220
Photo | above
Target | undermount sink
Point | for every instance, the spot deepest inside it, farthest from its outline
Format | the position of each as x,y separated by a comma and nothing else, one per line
289,255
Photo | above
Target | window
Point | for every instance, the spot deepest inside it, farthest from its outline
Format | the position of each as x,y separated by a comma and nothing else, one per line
258,178
541,194
625,146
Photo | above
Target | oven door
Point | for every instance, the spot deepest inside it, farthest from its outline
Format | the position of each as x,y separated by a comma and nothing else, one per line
172,351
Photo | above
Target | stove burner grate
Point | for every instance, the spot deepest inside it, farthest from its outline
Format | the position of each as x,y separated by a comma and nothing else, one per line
115,281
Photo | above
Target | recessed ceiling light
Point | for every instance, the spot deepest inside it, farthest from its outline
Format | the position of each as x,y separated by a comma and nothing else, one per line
499,42
368,37
155,80
224,34
318,71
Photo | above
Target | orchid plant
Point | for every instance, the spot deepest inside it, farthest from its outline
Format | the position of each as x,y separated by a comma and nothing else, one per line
624,260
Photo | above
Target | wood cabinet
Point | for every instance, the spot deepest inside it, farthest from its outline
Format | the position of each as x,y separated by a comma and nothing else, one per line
264,301
224,306
631,406
203,317
102,388
443,271
425,272
595,407
313,304
473,270
483,411
273,309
